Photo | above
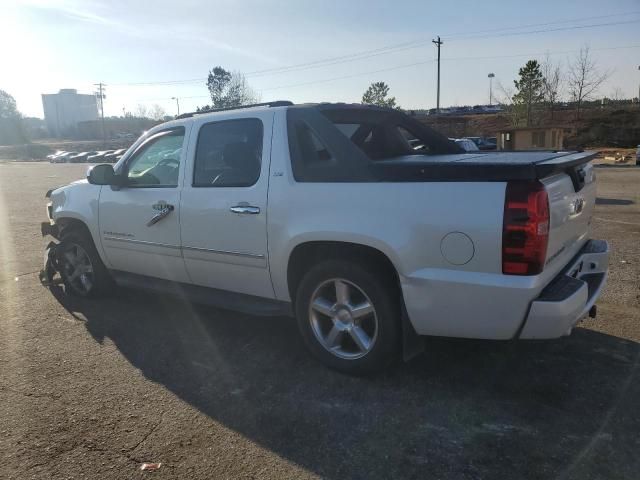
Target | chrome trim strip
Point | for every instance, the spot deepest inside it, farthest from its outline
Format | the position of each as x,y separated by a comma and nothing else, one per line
195,249
225,252
140,242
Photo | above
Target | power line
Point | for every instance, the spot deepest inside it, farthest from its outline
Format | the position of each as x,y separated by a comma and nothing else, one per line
405,46
408,65
557,22
575,27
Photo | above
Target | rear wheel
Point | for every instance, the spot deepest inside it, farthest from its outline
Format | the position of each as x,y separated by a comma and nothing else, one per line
348,315
80,266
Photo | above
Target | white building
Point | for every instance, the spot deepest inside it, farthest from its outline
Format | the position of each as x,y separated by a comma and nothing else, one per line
65,109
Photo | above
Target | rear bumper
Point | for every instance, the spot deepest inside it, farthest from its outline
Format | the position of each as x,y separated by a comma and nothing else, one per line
568,298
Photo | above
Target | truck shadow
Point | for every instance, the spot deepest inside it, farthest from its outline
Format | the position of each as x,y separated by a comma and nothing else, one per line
464,409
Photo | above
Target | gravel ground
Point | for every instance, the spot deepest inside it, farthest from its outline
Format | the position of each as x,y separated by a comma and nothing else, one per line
95,388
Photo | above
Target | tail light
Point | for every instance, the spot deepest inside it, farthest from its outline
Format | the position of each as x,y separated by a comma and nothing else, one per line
525,228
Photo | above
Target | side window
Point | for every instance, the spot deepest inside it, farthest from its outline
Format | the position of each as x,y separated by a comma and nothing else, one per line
412,142
229,154
157,163
313,150
320,152
348,129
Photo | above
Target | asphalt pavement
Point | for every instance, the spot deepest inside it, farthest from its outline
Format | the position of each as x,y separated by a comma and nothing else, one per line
93,389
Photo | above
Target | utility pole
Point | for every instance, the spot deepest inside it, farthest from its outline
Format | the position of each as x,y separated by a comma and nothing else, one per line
438,43
177,104
101,95
491,77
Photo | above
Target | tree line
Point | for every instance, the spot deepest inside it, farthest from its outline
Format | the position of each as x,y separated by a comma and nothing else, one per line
542,86
11,127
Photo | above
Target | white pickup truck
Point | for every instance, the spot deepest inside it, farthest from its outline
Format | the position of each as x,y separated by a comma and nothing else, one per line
369,227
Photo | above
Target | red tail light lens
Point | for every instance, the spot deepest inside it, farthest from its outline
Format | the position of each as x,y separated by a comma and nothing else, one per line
525,228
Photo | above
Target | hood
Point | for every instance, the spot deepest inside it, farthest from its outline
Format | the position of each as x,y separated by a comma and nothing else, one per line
56,189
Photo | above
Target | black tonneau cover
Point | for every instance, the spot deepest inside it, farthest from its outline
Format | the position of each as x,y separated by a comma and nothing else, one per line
480,167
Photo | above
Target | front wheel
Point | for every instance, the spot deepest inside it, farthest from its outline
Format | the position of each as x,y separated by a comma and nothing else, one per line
80,266
349,316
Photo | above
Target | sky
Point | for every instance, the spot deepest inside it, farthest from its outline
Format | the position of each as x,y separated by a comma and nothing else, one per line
148,52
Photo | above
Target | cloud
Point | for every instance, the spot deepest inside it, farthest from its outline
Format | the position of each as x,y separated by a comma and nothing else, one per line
73,10
187,33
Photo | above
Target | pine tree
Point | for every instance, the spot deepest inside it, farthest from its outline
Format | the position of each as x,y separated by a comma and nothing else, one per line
529,88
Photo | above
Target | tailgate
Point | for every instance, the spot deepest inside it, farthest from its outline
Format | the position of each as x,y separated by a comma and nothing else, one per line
572,197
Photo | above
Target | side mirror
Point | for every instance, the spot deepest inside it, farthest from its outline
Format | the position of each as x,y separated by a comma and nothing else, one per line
102,174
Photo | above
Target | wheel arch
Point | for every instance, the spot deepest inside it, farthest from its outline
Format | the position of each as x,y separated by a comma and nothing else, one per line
309,253
68,223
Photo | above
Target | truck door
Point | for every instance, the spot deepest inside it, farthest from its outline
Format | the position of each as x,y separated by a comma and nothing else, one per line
139,222
223,214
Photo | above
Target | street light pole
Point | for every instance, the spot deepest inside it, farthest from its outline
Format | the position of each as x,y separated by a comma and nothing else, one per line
177,104
491,76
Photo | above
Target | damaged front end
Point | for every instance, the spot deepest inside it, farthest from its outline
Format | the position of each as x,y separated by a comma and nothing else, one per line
51,260
51,264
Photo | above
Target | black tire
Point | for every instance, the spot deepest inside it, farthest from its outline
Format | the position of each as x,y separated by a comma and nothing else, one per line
382,293
101,282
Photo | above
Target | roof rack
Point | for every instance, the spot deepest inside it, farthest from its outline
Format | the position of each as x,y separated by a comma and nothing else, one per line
277,103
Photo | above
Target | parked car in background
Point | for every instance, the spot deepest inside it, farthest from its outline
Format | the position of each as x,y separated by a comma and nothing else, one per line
64,157
115,155
81,157
467,144
379,228
55,155
98,156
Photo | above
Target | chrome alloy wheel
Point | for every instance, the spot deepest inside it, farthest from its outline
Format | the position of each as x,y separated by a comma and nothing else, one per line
343,319
78,269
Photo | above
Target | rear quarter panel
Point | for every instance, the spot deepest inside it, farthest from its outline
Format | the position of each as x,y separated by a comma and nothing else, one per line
405,221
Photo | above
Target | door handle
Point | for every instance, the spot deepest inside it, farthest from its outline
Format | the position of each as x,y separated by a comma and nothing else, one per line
164,211
245,209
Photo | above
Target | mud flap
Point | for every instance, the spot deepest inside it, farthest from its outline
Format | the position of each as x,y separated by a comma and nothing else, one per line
412,343
50,268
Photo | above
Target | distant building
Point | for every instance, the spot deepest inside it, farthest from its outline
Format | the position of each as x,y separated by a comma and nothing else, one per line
534,138
65,109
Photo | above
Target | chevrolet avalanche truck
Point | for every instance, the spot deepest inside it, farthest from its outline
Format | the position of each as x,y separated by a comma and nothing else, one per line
367,226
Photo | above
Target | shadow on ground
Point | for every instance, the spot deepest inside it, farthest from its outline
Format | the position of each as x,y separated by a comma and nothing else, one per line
465,409
613,201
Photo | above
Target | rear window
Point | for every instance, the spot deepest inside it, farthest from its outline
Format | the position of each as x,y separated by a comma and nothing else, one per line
383,134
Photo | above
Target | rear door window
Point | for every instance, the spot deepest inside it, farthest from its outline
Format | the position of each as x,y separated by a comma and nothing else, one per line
229,153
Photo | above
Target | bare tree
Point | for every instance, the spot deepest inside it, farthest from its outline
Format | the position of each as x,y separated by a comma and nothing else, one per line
505,96
239,92
229,89
142,111
552,82
584,78
157,112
